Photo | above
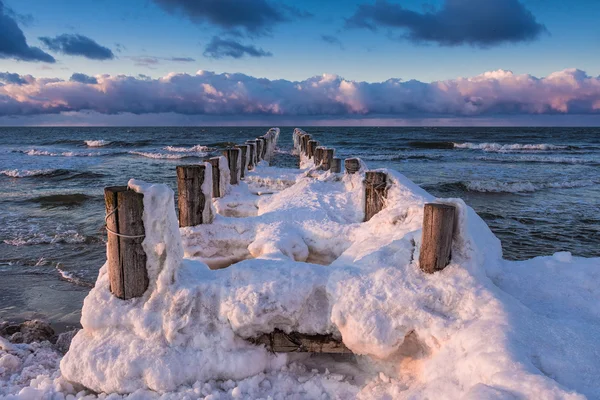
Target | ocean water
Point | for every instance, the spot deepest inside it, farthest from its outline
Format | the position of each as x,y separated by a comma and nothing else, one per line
537,188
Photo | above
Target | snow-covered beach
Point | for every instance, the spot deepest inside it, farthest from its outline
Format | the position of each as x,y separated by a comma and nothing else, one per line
303,261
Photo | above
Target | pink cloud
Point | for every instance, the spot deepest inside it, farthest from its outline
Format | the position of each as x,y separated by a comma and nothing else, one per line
490,94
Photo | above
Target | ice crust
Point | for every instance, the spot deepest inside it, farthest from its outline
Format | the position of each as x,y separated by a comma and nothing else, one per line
300,259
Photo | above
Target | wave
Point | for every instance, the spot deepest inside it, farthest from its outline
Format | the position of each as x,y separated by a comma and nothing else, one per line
97,143
223,144
431,145
61,200
509,148
399,157
511,187
36,238
26,173
36,152
541,159
167,156
70,277
194,149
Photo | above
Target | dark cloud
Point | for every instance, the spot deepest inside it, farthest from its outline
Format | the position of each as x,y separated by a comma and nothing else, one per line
220,48
332,40
83,78
181,59
475,22
252,16
13,43
496,93
12,78
77,45
151,61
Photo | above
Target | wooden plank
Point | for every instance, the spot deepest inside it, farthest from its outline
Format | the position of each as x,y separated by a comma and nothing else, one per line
126,256
190,199
436,243
281,342
375,193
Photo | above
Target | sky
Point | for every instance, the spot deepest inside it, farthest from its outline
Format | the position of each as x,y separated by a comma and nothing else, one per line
354,62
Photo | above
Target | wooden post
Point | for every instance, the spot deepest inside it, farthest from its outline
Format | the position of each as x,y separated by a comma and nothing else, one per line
319,155
263,144
312,145
190,200
244,151
252,156
126,256
216,177
232,161
352,165
259,149
436,243
336,165
305,139
375,192
327,159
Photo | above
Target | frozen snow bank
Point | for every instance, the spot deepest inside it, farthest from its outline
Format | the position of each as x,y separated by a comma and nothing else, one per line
481,328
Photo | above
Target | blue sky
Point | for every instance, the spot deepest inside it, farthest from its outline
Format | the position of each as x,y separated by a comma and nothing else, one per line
305,39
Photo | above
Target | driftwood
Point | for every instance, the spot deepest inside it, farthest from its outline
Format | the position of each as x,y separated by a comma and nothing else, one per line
281,342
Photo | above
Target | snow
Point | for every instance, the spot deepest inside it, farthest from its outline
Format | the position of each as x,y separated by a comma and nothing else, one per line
300,259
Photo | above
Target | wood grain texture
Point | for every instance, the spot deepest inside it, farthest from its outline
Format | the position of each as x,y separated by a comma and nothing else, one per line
352,165
327,159
319,155
232,161
126,256
263,150
312,145
244,148
216,176
281,342
191,200
436,243
251,154
336,165
375,193
259,149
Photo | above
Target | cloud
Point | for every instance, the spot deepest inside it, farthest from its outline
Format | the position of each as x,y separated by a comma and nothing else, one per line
492,94
13,43
151,61
12,78
474,22
332,40
252,16
219,48
77,45
83,78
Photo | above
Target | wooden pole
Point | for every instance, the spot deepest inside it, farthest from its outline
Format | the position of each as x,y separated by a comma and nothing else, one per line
327,159
336,165
232,160
126,256
436,243
252,154
259,149
216,177
312,145
375,192
352,165
263,144
319,155
305,139
190,200
244,151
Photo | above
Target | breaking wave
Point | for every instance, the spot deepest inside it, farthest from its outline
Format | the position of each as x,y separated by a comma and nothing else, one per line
511,187
431,145
541,159
167,156
399,157
70,277
97,143
15,173
194,149
34,238
64,200
36,152
509,148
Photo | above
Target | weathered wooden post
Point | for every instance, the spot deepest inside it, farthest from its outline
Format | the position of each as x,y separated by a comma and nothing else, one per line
312,145
305,139
191,200
352,165
232,156
252,155
303,142
327,159
436,243
263,147
244,153
375,192
336,165
216,177
319,155
125,227
259,149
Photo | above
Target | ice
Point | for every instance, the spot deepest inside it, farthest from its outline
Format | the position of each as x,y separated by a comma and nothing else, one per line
300,259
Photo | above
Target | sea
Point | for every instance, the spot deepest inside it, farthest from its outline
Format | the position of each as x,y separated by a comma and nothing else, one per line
537,188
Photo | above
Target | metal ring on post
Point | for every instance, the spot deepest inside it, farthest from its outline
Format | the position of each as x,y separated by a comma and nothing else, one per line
116,233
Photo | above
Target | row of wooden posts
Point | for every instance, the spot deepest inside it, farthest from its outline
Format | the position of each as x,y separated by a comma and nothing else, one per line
127,260
438,218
